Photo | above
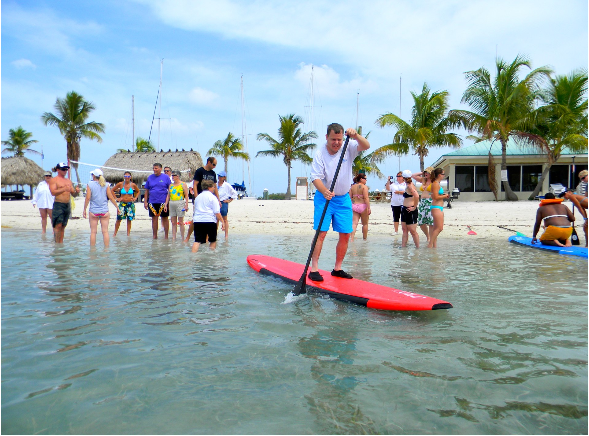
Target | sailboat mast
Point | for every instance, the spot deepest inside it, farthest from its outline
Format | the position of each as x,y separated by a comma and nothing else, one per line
244,138
400,114
133,118
357,107
159,120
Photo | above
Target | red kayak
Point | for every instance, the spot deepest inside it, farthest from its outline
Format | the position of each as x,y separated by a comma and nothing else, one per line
357,291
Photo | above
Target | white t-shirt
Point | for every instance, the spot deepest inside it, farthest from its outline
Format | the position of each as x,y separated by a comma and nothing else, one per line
42,196
206,206
325,164
397,199
226,192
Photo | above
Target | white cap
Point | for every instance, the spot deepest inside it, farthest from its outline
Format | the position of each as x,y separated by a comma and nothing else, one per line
407,173
97,172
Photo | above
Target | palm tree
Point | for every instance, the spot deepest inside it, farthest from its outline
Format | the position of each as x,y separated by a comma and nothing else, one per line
229,147
293,144
142,144
428,127
367,163
19,141
72,120
562,121
501,107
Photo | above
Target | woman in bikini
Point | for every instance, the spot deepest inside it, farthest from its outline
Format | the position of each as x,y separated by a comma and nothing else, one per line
437,207
129,192
97,195
409,211
580,202
425,221
360,204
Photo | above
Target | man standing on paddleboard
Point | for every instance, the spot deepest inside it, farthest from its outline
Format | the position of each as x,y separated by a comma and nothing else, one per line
339,211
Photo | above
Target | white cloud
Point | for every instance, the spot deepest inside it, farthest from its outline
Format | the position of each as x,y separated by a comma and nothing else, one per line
23,63
327,83
202,96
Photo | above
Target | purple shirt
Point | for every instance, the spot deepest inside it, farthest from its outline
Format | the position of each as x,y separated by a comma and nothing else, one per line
158,188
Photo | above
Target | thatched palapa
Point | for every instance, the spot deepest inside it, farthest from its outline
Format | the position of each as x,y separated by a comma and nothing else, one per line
135,162
19,170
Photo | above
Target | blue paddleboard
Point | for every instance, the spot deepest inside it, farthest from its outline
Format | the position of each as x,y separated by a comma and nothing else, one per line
575,250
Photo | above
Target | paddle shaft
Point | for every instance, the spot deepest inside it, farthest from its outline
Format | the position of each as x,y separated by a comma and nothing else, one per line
300,286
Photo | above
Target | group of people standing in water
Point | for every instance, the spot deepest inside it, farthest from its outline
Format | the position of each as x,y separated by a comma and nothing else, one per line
166,196
411,206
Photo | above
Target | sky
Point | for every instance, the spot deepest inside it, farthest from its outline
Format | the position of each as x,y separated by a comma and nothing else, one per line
347,62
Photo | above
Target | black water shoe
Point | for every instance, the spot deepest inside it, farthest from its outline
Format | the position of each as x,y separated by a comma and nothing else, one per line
315,276
341,274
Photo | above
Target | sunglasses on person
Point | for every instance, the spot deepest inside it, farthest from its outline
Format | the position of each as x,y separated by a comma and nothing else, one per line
167,171
127,177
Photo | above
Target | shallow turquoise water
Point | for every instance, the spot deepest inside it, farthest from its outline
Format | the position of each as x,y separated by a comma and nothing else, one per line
148,338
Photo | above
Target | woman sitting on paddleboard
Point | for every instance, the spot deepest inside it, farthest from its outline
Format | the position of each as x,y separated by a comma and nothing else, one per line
557,220
360,204
409,211
437,207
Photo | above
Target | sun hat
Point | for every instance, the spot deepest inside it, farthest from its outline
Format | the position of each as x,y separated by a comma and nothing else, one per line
222,174
62,166
96,172
407,173
48,173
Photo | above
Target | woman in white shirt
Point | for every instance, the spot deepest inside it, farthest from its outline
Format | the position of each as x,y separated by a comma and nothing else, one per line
226,195
43,199
396,187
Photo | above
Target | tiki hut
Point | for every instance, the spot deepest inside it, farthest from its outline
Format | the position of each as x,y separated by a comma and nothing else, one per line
19,170
140,164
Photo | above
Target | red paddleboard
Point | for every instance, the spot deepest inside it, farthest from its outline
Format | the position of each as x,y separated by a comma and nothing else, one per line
357,291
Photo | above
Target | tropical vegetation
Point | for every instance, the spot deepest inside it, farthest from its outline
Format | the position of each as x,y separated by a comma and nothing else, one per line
562,121
229,147
19,141
502,107
428,127
71,118
292,144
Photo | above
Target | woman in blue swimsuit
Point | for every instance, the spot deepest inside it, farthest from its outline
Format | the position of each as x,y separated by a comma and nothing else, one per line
437,207
129,192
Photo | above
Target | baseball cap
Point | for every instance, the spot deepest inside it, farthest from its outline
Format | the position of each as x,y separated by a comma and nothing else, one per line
407,173
97,172
48,173
222,174
62,166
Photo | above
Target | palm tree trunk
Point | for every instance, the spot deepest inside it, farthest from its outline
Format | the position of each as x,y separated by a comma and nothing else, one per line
226,159
287,196
509,194
540,182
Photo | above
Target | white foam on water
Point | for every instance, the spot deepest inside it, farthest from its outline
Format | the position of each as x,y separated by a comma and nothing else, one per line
291,298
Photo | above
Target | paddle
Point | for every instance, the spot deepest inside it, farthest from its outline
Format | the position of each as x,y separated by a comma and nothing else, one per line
300,287
470,231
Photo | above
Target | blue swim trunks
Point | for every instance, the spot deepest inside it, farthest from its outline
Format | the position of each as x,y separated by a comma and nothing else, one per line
339,213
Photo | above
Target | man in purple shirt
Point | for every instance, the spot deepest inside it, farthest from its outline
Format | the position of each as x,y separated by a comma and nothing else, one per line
157,196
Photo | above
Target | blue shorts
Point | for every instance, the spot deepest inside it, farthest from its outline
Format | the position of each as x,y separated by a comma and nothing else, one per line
339,213
224,209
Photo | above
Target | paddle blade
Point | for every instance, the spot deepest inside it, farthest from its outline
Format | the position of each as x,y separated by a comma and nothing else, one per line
301,286
520,234
470,231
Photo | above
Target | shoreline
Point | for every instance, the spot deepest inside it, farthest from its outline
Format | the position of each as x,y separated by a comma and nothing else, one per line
489,219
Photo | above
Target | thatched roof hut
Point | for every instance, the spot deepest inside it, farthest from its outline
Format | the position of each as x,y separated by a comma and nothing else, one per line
140,164
18,170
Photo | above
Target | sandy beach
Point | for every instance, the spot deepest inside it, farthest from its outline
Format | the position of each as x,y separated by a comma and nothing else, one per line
295,218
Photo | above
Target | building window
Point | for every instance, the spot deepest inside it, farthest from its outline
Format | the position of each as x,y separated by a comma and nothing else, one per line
465,178
481,179
514,174
530,176
559,174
